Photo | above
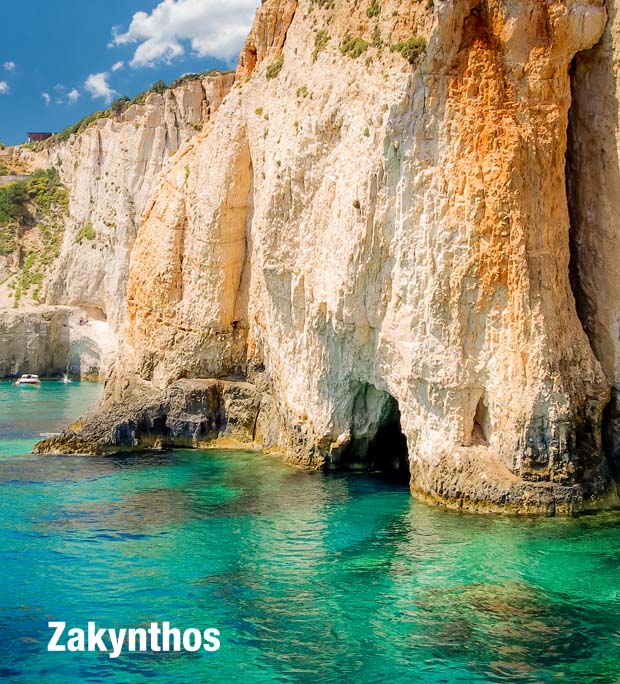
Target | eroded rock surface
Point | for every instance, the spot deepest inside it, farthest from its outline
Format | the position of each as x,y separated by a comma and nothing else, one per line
189,413
594,199
53,340
110,170
356,220
34,342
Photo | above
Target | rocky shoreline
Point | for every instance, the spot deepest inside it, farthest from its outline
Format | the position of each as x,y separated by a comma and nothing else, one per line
230,414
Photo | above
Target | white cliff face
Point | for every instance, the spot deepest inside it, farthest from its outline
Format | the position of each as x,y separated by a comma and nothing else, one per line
34,341
356,233
371,240
110,170
52,340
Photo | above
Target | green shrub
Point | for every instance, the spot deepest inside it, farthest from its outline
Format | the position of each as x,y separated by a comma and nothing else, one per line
411,49
184,79
353,47
13,198
159,87
374,9
274,69
118,106
86,232
320,43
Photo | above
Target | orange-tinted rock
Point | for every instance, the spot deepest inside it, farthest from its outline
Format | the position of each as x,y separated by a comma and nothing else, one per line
356,229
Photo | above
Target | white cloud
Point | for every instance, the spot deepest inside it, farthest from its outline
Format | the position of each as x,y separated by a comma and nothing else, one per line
213,28
118,65
4,88
73,95
9,66
46,98
98,87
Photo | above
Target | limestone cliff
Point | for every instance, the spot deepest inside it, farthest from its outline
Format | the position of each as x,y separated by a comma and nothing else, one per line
374,232
33,342
52,340
109,171
594,200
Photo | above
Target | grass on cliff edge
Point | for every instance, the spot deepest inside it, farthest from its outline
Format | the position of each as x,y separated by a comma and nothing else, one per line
32,223
118,107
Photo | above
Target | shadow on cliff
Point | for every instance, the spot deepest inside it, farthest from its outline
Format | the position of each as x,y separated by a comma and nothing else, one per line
589,165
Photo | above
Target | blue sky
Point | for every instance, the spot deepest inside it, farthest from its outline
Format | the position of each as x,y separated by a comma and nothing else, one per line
63,59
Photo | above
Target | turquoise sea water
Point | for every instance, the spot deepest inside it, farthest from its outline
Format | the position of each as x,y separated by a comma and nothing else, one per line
28,412
310,578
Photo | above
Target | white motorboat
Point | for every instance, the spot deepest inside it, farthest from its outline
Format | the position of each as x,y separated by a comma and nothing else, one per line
29,380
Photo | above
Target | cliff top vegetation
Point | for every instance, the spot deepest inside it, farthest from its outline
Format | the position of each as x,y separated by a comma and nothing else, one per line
32,222
117,107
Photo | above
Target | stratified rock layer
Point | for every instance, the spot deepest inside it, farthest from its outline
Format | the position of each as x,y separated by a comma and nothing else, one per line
357,233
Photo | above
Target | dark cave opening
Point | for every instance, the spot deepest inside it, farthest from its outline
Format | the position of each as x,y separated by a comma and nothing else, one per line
587,163
611,433
378,444
387,450
482,424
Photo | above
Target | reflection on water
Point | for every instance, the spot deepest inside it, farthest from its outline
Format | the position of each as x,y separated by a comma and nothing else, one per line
342,579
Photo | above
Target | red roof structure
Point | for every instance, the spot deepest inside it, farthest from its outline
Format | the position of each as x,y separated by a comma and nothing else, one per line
38,137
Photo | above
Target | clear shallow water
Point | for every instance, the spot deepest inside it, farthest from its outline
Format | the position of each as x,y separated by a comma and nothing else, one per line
309,578
26,412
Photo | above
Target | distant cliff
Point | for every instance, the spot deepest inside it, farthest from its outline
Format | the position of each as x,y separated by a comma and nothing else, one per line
110,169
107,171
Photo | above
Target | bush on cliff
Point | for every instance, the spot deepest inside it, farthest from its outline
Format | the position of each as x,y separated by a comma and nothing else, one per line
273,70
354,47
38,205
374,9
411,49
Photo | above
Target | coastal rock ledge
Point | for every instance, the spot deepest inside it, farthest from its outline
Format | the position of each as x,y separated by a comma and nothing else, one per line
367,259
190,414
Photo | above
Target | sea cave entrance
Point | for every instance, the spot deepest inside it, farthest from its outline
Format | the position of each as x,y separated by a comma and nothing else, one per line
378,444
